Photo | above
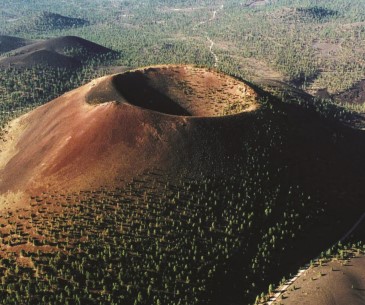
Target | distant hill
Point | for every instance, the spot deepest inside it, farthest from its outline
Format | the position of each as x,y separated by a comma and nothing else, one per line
41,58
8,43
47,21
67,51
316,12
355,95
306,14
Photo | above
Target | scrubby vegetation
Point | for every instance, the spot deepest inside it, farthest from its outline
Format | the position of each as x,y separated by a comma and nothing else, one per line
161,239
22,90
314,44
31,85
208,238
250,41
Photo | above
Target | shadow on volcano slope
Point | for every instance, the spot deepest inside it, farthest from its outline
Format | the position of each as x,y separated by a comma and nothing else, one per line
136,90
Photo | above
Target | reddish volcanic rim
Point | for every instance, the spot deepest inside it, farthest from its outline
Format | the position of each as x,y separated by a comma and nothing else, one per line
188,117
118,88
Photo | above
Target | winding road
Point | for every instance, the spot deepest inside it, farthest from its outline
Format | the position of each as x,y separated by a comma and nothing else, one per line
216,59
214,16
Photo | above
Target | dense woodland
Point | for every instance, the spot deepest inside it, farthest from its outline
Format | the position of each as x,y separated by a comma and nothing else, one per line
316,44
312,44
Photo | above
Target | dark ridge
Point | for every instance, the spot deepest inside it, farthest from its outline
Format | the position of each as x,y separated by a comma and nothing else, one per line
316,12
62,52
308,14
9,43
63,45
44,58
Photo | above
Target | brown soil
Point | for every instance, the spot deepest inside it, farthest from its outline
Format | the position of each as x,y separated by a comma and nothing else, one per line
105,130
335,282
327,48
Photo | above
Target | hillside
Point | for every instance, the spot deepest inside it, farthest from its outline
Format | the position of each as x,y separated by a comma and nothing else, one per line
338,281
180,196
63,52
8,43
41,58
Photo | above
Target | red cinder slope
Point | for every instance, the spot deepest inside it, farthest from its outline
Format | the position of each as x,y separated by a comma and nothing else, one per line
107,130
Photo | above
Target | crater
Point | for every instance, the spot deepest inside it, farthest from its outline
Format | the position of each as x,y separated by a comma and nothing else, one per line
177,90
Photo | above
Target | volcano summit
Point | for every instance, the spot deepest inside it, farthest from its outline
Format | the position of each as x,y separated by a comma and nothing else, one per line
120,125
